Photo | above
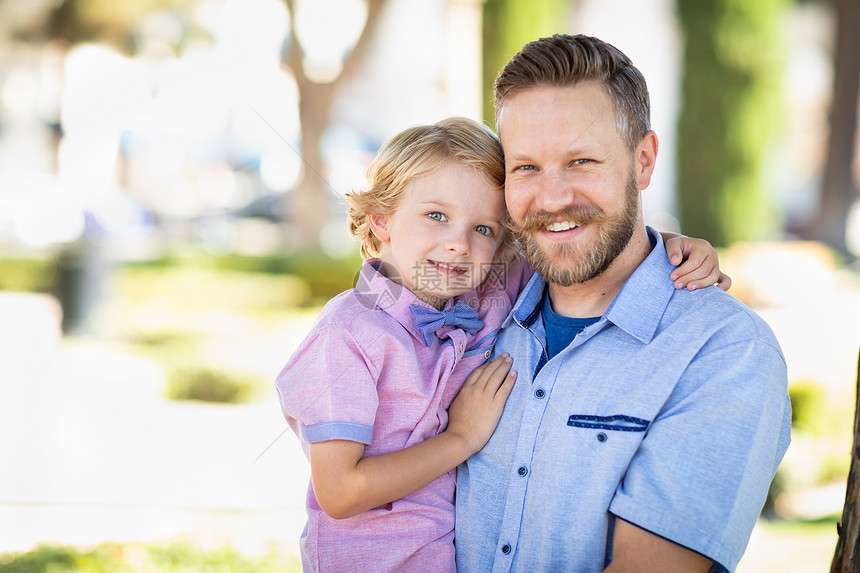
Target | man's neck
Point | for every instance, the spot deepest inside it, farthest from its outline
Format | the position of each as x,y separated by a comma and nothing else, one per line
592,298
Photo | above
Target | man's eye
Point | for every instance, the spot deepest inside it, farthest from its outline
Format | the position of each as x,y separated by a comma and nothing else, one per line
484,230
581,161
525,168
437,216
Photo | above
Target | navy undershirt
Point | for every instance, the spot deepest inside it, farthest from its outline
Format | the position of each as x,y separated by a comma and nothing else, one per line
560,330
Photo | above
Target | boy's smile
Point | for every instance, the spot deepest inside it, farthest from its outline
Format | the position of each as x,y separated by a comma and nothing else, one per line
443,237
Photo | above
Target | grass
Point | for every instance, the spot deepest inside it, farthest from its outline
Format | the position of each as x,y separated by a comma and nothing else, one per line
182,317
176,557
825,525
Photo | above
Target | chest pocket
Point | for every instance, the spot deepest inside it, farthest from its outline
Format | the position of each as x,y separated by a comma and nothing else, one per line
618,422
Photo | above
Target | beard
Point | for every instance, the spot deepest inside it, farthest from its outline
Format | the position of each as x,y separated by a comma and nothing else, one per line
581,262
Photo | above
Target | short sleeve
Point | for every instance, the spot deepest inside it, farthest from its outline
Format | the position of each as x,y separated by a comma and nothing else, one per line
702,472
327,390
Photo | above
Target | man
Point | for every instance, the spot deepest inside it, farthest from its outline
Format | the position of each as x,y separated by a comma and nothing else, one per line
646,422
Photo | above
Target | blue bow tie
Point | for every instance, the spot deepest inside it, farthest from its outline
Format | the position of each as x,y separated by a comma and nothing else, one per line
429,320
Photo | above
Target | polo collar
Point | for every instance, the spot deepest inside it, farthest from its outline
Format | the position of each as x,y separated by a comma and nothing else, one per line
642,301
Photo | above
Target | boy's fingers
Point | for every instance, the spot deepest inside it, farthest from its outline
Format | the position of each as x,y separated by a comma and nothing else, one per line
724,282
507,385
685,274
688,267
490,368
502,369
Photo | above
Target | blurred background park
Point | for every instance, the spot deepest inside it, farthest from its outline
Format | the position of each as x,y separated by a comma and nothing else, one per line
171,221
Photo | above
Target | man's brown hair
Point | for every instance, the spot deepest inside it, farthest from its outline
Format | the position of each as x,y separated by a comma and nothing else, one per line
563,60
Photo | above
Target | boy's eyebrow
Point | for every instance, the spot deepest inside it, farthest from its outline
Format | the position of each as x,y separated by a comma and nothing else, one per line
434,202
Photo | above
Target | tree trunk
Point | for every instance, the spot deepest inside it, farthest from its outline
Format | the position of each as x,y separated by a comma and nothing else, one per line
838,188
315,101
846,558
731,108
311,199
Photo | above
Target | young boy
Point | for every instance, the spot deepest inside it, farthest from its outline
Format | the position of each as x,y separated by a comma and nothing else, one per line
371,391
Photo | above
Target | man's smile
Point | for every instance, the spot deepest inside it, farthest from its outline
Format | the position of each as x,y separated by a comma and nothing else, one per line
561,226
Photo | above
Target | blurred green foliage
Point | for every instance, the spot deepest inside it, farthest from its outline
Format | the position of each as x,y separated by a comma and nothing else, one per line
185,310
177,557
808,407
28,275
212,384
824,526
731,111
324,277
507,26
211,289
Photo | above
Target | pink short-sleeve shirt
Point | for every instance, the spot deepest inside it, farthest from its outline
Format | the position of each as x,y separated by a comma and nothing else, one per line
365,374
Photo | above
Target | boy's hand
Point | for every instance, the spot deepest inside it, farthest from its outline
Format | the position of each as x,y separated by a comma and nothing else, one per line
701,265
476,410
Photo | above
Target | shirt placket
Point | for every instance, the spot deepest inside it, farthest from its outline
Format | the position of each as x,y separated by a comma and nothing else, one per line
457,339
518,481
533,416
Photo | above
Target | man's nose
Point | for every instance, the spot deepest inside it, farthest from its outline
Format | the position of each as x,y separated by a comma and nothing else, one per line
552,191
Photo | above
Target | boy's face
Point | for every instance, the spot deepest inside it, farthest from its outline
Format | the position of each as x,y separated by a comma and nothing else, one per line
442,239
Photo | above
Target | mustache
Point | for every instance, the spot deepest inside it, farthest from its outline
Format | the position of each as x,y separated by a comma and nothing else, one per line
538,220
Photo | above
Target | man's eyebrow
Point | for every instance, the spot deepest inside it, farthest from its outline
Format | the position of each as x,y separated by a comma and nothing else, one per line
517,156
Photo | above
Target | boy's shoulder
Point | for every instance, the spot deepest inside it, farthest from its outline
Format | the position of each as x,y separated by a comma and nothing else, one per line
359,316
347,308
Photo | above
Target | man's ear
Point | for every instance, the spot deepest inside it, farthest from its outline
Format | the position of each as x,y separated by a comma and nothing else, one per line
645,159
379,226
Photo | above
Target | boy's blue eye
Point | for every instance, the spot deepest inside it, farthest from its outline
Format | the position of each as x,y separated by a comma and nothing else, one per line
437,216
484,230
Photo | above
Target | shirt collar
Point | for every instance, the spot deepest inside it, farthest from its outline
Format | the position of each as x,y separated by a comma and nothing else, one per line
528,305
636,309
379,292
641,303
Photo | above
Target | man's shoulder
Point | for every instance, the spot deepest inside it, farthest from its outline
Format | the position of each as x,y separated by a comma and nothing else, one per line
721,314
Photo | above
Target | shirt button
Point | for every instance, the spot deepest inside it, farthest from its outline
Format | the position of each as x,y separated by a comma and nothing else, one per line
539,393
601,437
523,470
461,348
487,354
506,548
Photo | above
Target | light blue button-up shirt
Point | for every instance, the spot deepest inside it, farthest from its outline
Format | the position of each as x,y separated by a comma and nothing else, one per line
670,412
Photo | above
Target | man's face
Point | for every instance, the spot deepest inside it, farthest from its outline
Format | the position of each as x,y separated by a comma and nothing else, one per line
572,186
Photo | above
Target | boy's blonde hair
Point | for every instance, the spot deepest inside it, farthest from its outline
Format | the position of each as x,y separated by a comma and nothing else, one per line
416,152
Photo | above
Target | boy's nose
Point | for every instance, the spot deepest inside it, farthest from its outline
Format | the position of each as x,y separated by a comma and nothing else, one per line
458,242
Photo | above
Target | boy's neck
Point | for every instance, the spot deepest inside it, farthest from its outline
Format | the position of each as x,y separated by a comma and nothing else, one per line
434,301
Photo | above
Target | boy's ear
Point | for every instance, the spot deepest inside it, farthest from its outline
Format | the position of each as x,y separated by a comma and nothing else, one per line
379,226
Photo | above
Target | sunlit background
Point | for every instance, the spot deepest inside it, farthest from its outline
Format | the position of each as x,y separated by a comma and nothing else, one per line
171,220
